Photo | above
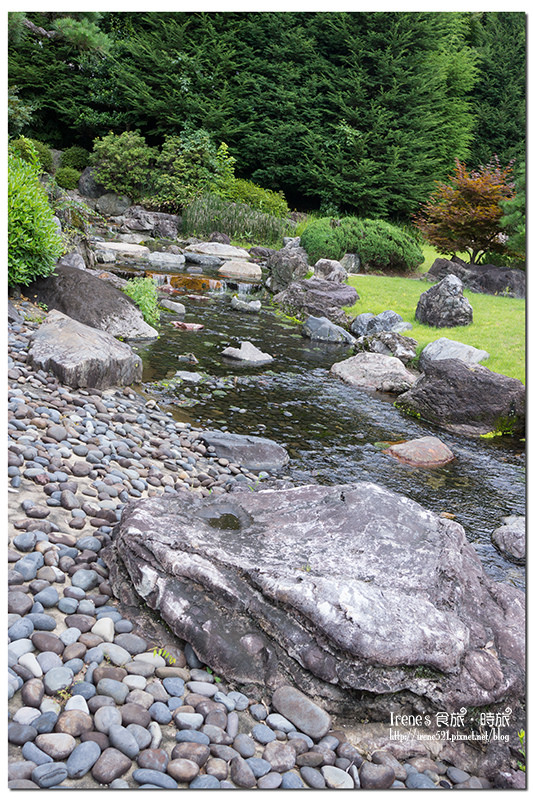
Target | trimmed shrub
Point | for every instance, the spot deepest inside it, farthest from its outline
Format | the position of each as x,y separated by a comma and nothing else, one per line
143,292
211,213
122,163
75,157
379,245
21,146
67,177
34,241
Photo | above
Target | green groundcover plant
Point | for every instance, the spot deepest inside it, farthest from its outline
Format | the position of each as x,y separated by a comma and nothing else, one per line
34,239
143,292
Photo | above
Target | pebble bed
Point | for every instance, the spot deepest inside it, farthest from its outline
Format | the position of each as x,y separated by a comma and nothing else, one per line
91,703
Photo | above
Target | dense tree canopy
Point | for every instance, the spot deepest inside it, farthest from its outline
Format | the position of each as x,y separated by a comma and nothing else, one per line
357,112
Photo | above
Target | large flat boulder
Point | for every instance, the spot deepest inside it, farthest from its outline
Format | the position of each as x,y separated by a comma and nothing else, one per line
81,356
375,371
240,269
124,250
225,251
467,399
317,297
252,452
348,592
84,297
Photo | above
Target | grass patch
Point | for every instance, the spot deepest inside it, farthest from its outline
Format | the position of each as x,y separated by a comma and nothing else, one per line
498,326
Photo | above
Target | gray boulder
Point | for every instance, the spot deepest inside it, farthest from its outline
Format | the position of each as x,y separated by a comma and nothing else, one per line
351,262
444,305
330,270
366,324
349,592
163,260
318,298
252,452
112,204
447,348
484,278
171,305
320,329
467,399
374,371
510,539
84,297
286,265
155,223
73,259
389,344
12,313
81,356
88,186
203,260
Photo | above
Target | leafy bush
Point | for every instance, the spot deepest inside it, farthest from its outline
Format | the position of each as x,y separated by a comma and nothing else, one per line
514,216
211,213
19,113
33,237
256,197
21,147
143,292
75,157
379,245
122,163
67,177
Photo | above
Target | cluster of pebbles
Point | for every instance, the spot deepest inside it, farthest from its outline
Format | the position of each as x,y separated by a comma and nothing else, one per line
94,703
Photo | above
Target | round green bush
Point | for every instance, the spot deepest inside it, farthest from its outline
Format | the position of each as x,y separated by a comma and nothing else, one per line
34,240
379,245
21,148
67,177
75,157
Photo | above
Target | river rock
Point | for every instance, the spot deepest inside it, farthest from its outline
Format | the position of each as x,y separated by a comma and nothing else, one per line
247,352
389,343
303,712
164,260
154,223
220,587
111,764
252,452
317,298
82,758
96,303
510,539
375,371
285,266
330,270
82,356
444,305
469,400
447,348
322,329
171,305
252,306
240,269
428,451
224,251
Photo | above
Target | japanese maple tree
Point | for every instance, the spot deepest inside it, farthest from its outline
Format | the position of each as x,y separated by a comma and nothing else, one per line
464,215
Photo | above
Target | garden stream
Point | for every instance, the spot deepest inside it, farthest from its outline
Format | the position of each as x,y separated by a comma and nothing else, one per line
329,428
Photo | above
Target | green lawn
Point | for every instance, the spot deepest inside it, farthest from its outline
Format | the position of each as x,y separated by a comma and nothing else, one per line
498,326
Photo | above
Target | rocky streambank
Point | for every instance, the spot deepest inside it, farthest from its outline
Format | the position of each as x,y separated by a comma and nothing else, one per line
103,694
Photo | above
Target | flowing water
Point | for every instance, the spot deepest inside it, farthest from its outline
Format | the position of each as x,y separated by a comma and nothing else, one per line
329,428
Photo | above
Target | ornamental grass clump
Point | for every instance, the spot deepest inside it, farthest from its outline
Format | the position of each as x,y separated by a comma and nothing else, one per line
211,213
34,238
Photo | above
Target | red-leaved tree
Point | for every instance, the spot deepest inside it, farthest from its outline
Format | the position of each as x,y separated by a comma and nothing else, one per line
463,216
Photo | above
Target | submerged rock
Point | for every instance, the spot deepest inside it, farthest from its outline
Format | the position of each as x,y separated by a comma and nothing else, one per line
331,588
253,452
428,451
510,539
247,352
375,371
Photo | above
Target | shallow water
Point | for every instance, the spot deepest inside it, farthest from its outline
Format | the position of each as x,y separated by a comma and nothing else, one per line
329,428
